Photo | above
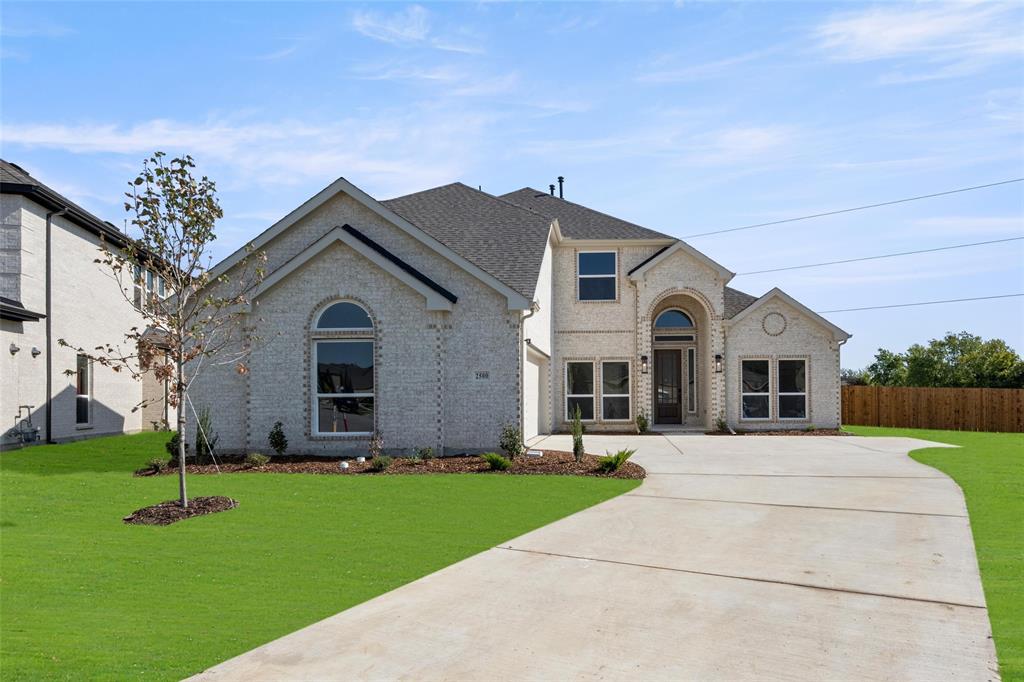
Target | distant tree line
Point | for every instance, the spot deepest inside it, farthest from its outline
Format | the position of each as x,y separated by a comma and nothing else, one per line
956,360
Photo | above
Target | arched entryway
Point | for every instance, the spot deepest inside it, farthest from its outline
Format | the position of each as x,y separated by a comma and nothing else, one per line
679,329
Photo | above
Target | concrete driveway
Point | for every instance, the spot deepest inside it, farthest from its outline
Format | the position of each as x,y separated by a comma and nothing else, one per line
760,558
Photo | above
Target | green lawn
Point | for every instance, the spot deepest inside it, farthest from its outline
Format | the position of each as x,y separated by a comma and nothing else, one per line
990,469
83,595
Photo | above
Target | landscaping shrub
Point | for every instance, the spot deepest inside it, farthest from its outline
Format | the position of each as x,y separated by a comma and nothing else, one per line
381,463
511,441
577,435
156,464
496,461
206,439
611,463
641,422
376,445
256,459
278,443
424,453
721,425
172,446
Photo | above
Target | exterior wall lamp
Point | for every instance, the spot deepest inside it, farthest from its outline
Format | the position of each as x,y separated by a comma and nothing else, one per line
643,364
718,364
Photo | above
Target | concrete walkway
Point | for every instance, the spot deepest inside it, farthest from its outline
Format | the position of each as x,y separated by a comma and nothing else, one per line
759,558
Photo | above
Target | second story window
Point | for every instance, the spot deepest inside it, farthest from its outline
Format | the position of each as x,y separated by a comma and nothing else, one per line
596,275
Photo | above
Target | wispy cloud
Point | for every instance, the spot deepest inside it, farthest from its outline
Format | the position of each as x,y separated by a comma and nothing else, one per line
953,39
409,27
668,69
276,55
33,29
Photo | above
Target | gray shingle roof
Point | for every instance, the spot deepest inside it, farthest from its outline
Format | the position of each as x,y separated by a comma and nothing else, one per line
579,222
502,238
736,301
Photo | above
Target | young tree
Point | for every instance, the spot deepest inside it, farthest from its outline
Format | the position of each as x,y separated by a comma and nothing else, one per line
199,320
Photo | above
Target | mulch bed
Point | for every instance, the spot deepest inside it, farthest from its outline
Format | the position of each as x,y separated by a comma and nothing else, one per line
787,432
171,511
553,462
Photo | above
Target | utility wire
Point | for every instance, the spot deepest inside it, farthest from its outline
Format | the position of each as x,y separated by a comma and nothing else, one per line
857,208
886,255
908,305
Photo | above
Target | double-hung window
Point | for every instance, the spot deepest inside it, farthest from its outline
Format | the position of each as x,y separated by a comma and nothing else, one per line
596,275
755,397
792,389
615,391
83,390
137,285
579,390
343,371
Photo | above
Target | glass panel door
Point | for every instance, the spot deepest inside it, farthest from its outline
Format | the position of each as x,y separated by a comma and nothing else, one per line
668,386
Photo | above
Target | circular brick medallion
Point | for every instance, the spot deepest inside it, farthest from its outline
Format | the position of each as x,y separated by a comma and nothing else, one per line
773,324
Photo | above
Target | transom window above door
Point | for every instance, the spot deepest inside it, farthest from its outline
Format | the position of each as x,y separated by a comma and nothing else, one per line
673,319
596,275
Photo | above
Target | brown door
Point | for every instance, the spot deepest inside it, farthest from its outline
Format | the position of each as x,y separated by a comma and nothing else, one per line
668,387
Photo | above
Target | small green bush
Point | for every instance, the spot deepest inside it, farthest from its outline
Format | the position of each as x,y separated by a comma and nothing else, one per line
721,425
496,461
376,445
206,438
424,453
641,422
511,441
172,445
611,463
577,435
810,427
381,463
156,464
256,459
278,443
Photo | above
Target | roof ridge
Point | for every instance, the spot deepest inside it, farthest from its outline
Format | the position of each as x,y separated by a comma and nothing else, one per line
513,204
423,191
588,208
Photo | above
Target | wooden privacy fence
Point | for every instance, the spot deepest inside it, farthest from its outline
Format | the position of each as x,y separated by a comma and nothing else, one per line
964,409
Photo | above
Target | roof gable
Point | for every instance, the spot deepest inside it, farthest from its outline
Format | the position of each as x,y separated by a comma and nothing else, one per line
437,297
516,300
505,239
577,221
777,293
641,270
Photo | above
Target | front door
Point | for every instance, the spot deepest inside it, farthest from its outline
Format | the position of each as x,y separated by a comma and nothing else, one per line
668,387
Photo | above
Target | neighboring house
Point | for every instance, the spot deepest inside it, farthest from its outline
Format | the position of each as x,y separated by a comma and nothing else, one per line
51,289
435,318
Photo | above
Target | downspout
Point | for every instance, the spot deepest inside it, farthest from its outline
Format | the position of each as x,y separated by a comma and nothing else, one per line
534,307
49,323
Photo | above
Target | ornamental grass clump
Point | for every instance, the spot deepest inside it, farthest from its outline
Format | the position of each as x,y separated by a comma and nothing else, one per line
496,461
609,464
577,435
256,459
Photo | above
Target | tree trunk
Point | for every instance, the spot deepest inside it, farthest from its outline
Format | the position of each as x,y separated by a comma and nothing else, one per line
179,388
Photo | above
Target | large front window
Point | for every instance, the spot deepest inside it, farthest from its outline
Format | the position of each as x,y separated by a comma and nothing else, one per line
596,271
792,389
755,394
615,391
343,371
579,390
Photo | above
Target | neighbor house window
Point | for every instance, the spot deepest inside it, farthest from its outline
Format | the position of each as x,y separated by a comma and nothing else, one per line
596,272
792,389
83,399
579,390
615,391
343,371
137,283
755,393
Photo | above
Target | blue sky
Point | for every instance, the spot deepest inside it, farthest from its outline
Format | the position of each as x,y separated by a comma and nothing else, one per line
685,118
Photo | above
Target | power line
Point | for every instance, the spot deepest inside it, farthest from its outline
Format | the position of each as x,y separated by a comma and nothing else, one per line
908,305
857,208
886,255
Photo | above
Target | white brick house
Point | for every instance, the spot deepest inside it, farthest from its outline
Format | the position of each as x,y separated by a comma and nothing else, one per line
51,289
437,317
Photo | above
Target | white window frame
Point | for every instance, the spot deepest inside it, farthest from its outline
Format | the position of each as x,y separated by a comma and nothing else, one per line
628,396
691,376
614,276
768,393
88,391
592,395
779,393
362,394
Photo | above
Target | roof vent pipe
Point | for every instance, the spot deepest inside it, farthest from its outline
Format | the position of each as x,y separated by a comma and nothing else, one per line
552,188
560,181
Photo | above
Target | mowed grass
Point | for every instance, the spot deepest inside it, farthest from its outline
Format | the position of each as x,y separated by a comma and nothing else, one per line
84,596
989,467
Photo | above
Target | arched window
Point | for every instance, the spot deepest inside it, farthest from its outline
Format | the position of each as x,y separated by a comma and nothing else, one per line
343,371
673,319
345,316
